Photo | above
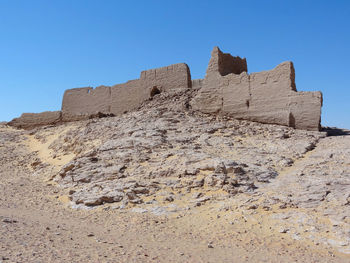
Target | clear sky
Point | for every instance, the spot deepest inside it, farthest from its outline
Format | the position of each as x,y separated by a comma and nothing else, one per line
47,47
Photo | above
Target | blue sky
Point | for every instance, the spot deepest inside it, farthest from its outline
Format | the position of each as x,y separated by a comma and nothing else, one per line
47,47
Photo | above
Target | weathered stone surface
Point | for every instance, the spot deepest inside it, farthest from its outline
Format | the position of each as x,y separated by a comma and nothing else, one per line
166,159
267,97
163,145
31,120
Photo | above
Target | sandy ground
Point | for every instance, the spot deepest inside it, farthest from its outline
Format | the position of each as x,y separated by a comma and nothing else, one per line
37,224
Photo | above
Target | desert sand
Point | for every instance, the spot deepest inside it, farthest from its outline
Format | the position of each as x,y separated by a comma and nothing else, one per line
209,189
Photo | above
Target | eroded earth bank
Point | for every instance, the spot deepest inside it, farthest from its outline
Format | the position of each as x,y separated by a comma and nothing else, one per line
166,184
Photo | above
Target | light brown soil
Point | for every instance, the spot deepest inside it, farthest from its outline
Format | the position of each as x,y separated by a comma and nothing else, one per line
38,225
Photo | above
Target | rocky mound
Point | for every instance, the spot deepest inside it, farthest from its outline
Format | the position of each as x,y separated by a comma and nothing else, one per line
163,146
165,158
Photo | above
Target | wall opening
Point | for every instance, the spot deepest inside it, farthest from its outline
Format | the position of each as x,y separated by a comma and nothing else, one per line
291,120
154,91
227,64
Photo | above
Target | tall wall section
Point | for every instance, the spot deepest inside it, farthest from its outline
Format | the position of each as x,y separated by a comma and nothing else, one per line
80,102
267,97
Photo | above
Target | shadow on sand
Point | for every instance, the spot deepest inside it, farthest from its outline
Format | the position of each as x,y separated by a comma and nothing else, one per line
332,131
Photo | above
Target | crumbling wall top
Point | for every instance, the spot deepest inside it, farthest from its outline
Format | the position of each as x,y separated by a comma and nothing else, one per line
266,97
225,63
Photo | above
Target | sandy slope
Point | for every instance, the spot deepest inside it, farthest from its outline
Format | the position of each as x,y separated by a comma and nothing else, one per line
39,225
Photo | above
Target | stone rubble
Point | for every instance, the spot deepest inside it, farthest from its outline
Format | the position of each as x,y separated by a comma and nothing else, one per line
165,147
166,158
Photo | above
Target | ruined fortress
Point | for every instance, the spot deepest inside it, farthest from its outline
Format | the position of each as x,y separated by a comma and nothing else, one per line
267,97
